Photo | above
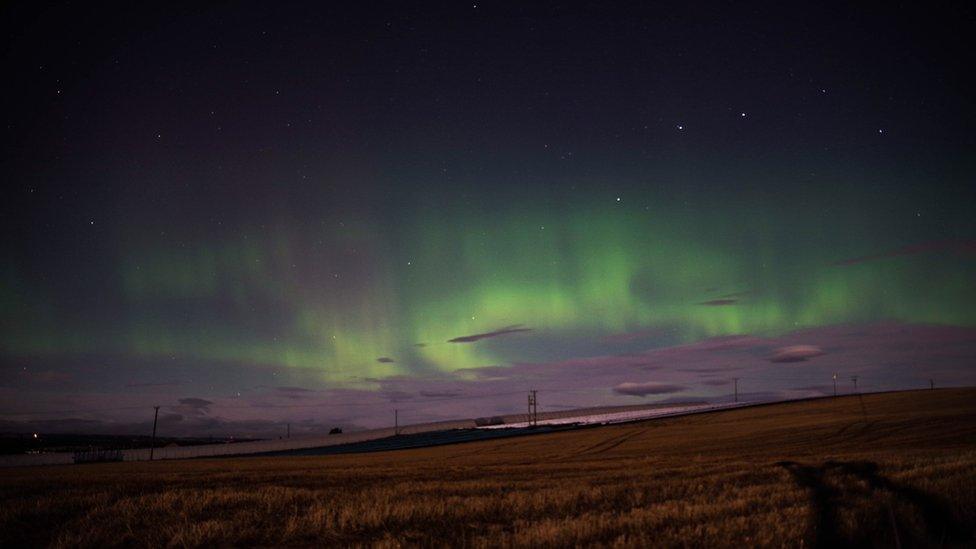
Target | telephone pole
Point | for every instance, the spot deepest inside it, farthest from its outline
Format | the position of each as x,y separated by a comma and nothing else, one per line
835,384
533,408
152,446
396,421
854,379
931,384
735,391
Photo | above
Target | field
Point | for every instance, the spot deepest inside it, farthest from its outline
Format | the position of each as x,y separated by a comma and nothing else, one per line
886,469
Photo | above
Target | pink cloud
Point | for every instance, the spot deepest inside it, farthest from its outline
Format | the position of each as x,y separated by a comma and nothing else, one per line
886,355
796,353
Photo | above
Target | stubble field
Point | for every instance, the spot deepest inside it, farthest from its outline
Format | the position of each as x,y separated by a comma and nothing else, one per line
886,469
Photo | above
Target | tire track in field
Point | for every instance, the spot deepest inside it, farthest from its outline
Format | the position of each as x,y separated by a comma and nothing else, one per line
610,443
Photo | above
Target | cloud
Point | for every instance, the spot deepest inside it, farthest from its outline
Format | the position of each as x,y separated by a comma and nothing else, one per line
796,353
715,344
515,328
195,402
193,406
886,355
385,359
647,388
964,247
719,302
166,419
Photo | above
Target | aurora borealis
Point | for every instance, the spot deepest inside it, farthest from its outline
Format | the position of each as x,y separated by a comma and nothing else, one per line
419,211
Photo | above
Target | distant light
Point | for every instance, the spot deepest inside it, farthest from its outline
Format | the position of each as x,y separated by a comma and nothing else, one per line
35,435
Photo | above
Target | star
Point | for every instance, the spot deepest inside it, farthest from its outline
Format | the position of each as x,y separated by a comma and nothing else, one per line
680,127
742,114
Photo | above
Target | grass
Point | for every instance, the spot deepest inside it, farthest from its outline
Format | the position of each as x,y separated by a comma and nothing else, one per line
887,469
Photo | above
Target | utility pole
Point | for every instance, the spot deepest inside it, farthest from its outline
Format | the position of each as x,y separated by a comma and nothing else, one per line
396,421
152,446
835,384
533,408
931,384
735,394
854,379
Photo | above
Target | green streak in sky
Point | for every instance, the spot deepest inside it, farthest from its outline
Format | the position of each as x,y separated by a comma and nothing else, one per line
336,297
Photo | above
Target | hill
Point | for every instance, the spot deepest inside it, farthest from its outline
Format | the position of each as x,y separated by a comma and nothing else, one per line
884,469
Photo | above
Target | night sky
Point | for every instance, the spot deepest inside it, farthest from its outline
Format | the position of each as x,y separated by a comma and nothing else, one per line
254,214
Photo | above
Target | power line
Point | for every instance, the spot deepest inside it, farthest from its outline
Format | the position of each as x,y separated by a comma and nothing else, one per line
764,380
271,406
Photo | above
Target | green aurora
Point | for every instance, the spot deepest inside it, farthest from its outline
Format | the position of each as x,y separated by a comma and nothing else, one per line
333,297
